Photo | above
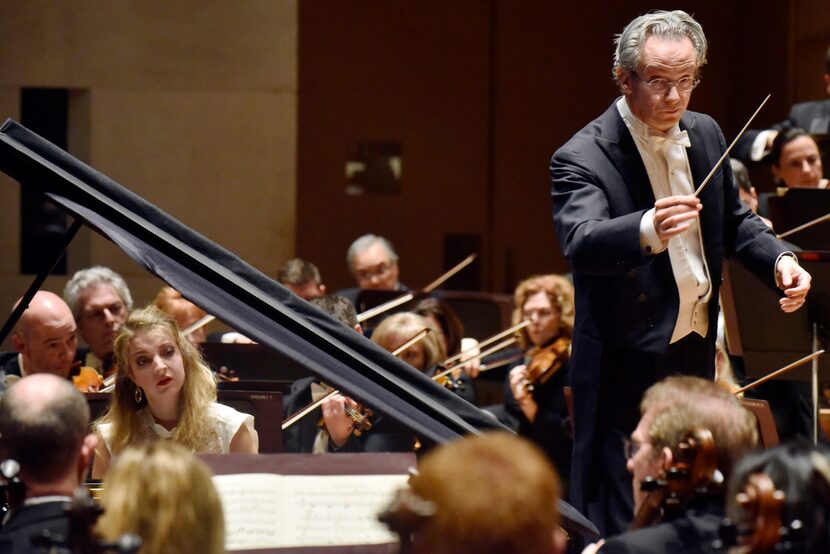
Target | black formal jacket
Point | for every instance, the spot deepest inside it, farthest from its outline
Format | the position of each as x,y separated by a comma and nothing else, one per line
694,532
551,429
384,436
30,521
625,298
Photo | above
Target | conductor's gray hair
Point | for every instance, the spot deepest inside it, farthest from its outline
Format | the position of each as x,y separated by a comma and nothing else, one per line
673,25
363,243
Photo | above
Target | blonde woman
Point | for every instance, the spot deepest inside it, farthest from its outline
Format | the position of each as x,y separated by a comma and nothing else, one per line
162,493
426,354
163,389
398,328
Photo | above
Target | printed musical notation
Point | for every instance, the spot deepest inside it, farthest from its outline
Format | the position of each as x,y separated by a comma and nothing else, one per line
264,510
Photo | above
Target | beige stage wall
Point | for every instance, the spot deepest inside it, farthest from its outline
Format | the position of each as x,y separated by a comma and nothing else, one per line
191,104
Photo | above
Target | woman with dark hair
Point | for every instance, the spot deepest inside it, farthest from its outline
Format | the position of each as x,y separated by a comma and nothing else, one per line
799,470
796,160
452,336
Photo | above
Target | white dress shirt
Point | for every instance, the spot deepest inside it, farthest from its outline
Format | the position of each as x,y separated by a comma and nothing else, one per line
669,173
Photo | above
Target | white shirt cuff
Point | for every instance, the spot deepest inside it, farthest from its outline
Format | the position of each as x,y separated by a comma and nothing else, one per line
778,259
650,242
759,145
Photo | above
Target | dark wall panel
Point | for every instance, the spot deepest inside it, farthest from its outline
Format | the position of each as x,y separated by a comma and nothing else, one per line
480,94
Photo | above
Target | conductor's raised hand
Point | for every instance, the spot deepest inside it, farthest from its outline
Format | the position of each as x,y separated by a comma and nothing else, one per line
674,214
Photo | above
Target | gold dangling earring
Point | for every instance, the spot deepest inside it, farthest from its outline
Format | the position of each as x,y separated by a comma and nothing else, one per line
138,395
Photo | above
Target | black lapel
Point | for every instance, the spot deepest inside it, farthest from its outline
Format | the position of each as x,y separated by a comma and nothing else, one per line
701,159
616,141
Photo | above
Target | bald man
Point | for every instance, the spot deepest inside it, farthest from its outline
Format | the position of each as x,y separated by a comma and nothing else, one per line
44,338
44,426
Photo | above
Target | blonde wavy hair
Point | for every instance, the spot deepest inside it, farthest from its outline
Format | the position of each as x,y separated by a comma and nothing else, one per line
193,430
559,291
399,328
162,493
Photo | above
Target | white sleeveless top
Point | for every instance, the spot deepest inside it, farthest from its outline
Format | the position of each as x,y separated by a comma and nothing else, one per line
225,420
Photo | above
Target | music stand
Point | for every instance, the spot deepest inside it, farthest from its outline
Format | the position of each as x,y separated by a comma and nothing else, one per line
253,362
768,338
793,207
823,141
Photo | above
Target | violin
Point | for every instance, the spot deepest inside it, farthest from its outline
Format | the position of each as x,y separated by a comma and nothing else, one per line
445,377
694,462
361,418
88,380
545,361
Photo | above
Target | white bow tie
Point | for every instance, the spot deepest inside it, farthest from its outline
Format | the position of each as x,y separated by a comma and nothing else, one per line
680,138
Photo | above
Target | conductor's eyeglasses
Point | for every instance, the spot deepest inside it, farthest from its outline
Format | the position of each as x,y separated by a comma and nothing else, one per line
663,86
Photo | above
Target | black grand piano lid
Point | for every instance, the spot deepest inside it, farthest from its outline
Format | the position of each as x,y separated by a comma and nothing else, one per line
243,297
235,292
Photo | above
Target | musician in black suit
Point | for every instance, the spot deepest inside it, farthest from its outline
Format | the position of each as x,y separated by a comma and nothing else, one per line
44,425
329,428
671,410
647,253
813,116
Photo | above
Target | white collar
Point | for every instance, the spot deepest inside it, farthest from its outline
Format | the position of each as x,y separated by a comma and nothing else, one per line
639,129
35,500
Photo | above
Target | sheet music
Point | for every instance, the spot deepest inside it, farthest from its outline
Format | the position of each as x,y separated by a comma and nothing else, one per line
264,510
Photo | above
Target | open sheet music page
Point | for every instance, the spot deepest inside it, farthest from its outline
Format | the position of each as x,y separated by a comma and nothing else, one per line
264,510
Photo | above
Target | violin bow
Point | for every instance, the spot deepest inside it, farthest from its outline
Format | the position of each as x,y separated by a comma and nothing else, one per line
804,226
395,302
781,371
198,324
302,412
726,153
496,348
454,360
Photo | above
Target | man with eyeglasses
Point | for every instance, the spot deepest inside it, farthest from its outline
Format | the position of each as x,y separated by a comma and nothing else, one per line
671,410
374,265
100,301
645,251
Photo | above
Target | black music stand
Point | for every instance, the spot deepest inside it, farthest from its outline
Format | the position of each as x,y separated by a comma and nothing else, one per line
823,141
253,362
768,338
793,207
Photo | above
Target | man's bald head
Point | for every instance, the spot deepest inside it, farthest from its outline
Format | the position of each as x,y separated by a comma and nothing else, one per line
43,424
46,335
